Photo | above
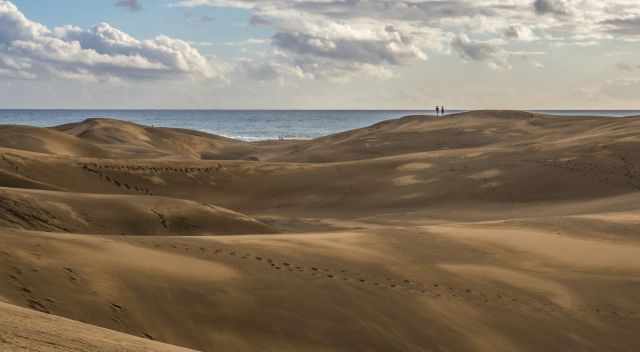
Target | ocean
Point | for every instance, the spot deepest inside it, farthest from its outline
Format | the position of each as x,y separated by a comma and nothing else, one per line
250,125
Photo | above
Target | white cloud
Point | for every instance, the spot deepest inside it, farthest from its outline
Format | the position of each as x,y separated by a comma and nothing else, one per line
387,34
15,26
30,50
269,71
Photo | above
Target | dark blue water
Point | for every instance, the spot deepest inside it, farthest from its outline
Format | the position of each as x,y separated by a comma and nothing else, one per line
250,125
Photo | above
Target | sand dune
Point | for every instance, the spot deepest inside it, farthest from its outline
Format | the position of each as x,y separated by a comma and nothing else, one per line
48,141
483,231
119,215
131,140
23,330
108,138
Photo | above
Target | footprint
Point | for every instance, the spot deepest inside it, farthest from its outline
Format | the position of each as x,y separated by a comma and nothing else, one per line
35,304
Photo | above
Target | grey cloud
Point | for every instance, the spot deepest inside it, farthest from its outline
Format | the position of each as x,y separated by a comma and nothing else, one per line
512,32
478,51
519,32
553,7
190,16
259,21
623,26
626,67
132,5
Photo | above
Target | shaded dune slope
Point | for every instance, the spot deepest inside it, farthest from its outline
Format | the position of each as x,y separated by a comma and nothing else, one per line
119,215
137,141
47,141
12,179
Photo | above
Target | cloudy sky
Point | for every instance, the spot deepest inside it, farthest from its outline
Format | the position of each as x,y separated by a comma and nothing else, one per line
320,54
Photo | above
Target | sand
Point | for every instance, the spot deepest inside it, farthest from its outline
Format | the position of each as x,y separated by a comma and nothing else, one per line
483,231
29,331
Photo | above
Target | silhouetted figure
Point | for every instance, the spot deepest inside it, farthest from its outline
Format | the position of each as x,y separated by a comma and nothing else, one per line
437,111
442,110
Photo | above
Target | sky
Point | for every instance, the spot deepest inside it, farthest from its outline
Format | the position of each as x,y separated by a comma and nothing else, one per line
320,54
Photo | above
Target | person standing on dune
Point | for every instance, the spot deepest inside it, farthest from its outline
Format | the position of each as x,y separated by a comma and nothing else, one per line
442,110
437,111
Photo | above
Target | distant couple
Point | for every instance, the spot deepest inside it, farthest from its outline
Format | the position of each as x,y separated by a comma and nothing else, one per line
440,110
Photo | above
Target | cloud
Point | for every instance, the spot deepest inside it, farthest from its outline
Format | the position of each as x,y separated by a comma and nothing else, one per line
623,89
519,32
553,7
390,34
132,5
626,67
15,26
626,26
327,39
30,50
324,37
270,71
480,51
370,50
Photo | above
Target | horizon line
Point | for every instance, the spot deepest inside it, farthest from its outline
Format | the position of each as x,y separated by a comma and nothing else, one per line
314,109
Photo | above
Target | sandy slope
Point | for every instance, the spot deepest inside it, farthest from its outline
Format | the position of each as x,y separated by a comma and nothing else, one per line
135,141
119,214
44,140
28,331
486,231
